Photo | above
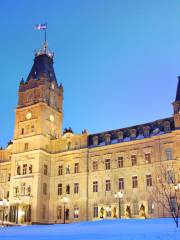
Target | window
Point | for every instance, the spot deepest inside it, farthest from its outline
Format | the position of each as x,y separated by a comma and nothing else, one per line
76,167
149,180
30,168
147,157
44,188
59,212
68,169
134,182
150,207
76,212
22,131
59,189
120,162
121,183
95,165
16,191
108,185
76,188
170,177
45,169
95,186
107,164
169,155
60,170
173,204
134,160
26,146
95,212
68,189
18,170
24,169
135,208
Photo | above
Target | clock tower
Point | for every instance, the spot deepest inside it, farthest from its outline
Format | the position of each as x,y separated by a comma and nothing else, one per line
176,106
38,120
39,110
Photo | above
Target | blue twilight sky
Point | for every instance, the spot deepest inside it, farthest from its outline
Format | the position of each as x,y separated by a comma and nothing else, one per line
118,60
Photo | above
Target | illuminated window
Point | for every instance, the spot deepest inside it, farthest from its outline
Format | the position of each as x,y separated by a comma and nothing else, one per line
76,212
147,157
150,207
59,212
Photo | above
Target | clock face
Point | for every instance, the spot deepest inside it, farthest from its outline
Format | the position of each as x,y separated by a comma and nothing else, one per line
51,118
28,115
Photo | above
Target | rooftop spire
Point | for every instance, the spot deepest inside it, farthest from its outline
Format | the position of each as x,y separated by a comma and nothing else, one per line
178,91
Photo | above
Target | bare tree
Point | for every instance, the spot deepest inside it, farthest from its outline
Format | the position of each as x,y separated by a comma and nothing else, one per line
166,191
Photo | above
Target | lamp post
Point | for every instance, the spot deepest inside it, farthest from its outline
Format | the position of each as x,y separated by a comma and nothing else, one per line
4,203
17,203
119,196
64,200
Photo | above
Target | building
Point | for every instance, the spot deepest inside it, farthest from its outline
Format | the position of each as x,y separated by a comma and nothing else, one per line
47,174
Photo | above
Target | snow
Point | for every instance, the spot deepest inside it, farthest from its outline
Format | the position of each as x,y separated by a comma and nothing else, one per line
130,229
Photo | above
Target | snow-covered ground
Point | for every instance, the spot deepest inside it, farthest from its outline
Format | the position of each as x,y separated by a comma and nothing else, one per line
154,229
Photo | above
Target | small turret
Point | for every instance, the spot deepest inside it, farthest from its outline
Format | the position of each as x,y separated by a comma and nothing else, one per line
176,106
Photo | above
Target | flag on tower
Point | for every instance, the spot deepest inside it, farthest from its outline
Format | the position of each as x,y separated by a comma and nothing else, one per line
41,26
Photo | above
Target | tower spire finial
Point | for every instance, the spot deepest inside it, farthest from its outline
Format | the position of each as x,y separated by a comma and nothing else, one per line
44,50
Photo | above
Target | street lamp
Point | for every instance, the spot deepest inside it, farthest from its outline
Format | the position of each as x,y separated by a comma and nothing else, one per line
17,203
4,203
64,200
119,196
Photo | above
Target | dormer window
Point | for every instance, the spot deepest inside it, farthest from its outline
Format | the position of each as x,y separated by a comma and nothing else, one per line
120,136
167,127
95,140
107,138
146,130
133,134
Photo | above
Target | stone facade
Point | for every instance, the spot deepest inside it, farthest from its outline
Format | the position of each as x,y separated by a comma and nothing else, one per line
42,165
